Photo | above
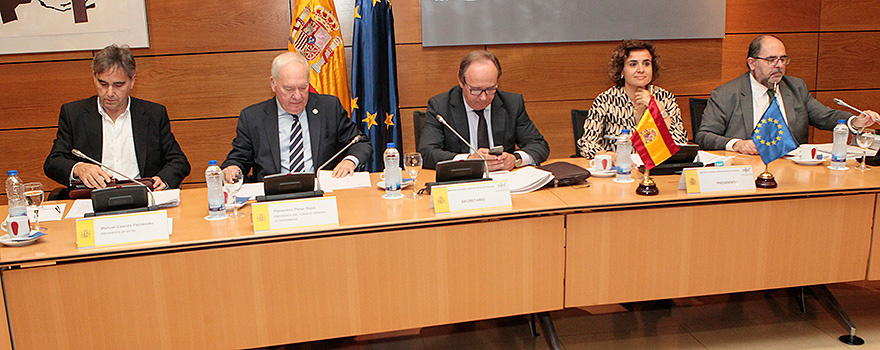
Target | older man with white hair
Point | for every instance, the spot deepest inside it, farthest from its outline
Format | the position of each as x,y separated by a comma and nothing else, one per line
295,131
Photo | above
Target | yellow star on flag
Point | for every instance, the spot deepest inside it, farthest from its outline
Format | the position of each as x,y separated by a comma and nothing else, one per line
375,1
370,120
357,10
389,120
354,103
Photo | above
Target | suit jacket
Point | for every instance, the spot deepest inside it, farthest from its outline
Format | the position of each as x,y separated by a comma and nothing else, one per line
80,126
511,127
256,145
729,114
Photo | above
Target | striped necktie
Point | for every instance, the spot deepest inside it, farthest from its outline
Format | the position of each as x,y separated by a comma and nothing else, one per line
297,158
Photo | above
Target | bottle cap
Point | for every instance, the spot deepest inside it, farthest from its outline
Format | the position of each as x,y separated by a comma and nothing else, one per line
624,131
390,145
841,121
212,162
12,173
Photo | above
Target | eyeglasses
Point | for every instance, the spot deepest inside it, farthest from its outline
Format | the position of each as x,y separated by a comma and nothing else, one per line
477,91
785,60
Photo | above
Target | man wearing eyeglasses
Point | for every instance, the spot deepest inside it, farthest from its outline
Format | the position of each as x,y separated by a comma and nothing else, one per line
483,115
735,107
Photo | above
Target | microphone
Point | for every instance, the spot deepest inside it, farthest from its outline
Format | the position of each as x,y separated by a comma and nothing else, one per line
78,153
840,102
353,141
485,163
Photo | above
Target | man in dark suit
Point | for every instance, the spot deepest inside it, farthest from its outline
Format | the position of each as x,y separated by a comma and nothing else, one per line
130,135
466,108
296,131
735,107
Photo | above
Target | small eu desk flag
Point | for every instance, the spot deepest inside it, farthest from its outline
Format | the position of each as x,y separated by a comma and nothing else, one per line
771,135
374,106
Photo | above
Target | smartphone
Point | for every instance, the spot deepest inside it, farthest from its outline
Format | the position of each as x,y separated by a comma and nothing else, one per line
496,150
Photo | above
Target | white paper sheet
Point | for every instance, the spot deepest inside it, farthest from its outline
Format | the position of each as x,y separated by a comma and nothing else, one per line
250,191
49,212
356,180
79,209
167,198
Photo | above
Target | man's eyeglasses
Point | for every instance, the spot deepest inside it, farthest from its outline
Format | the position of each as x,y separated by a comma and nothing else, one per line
785,60
477,91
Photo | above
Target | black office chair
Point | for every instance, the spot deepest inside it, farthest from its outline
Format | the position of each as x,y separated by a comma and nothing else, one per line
697,106
578,117
418,123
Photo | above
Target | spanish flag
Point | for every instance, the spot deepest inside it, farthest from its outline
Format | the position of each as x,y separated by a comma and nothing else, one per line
315,33
652,139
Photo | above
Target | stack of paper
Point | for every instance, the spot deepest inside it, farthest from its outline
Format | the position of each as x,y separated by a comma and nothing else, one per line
524,180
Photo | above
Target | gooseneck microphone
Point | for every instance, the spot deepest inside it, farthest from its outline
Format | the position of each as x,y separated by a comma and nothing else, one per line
78,153
485,163
840,102
353,141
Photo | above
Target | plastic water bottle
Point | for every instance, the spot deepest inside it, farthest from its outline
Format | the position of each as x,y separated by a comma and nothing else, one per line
838,150
392,172
216,199
624,161
15,194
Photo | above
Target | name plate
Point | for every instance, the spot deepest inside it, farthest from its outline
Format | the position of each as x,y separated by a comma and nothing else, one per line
295,213
705,180
111,230
471,196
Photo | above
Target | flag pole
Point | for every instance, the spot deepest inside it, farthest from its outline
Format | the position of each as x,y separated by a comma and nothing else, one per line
766,179
647,187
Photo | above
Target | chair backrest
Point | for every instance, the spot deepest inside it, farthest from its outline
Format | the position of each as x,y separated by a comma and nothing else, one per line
578,118
418,123
697,106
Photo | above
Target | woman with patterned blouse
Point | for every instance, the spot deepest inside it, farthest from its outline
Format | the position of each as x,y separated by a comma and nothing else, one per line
634,65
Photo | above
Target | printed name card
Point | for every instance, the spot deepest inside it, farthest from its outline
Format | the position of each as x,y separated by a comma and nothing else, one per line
295,213
471,196
705,180
110,230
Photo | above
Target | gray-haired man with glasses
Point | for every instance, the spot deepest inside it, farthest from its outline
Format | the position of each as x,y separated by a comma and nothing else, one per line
735,107
483,115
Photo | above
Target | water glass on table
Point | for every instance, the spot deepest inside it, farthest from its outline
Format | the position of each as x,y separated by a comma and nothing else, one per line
412,162
232,187
865,139
34,195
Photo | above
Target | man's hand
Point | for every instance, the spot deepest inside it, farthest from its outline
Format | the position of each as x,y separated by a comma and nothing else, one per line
745,147
344,168
158,184
508,161
492,161
230,171
92,175
643,98
865,119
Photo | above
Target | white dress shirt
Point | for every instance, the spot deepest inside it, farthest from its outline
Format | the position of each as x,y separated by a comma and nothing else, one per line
117,146
285,124
760,102
474,123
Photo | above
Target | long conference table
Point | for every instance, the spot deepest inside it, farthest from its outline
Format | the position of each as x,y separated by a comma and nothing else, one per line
393,264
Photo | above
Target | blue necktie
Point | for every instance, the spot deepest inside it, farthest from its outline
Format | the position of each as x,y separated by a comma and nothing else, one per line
297,158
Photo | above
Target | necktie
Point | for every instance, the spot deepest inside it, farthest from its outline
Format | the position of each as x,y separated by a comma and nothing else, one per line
297,159
482,131
771,93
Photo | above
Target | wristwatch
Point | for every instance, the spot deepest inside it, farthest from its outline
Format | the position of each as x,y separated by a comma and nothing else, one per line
518,162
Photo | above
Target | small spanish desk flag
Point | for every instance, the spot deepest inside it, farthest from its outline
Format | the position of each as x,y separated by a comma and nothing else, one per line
771,135
652,139
315,33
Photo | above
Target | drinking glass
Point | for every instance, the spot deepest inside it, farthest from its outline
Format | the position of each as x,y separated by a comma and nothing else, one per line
233,186
865,139
412,162
34,195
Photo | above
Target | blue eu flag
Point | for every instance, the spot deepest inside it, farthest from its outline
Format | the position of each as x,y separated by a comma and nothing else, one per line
374,77
771,135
